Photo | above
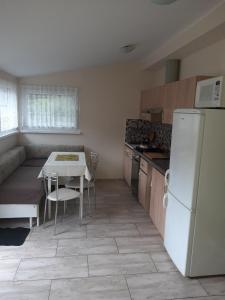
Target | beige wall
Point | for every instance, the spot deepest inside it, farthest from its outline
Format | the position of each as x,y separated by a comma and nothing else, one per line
208,61
108,96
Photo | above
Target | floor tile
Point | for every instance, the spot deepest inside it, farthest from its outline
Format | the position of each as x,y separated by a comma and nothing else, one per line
128,218
214,285
204,298
139,244
147,229
92,288
98,219
111,230
100,265
65,230
119,223
160,256
163,286
165,266
86,246
25,290
52,268
41,248
8,269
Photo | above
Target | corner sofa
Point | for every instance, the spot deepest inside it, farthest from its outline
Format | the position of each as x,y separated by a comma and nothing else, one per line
21,191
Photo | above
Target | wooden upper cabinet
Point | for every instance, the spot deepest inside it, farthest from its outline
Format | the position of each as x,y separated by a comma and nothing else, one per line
186,91
178,94
170,101
152,98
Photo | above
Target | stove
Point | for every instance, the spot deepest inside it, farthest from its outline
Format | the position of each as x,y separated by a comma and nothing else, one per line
141,148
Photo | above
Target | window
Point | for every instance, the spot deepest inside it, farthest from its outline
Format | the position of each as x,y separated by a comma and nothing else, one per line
49,109
8,107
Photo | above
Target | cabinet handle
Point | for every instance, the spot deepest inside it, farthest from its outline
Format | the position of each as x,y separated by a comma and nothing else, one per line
165,200
167,177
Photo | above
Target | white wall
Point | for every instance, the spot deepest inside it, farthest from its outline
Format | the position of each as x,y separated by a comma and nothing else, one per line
108,96
207,61
12,140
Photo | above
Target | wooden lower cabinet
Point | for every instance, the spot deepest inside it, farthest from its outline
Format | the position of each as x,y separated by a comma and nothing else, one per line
157,211
144,188
127,165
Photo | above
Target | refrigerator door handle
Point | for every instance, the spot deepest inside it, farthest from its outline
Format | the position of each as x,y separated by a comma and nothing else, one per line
165,200
167,174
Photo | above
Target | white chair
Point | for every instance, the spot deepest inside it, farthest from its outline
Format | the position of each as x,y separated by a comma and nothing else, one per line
75,182
58,195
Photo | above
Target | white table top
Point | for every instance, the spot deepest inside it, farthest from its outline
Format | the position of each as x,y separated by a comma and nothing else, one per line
67,168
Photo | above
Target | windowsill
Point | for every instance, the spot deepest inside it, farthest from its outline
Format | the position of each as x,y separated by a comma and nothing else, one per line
6,135
50,132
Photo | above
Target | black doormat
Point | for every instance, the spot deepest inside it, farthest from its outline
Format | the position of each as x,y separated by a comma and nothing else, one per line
13,236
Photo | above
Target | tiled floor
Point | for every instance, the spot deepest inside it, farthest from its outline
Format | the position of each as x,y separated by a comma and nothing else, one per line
116,255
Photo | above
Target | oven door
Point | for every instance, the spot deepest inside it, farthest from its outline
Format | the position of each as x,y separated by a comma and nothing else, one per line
135,174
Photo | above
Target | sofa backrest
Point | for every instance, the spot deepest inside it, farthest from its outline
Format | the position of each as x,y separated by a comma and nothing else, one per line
43,151
10,161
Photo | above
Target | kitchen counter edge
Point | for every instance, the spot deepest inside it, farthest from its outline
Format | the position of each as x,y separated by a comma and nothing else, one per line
160,165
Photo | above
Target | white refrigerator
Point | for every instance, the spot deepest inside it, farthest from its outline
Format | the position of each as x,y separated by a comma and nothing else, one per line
195,203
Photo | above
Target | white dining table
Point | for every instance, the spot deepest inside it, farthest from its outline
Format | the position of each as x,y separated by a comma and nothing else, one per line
68,168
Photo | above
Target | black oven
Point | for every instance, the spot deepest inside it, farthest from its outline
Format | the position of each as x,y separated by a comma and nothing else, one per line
135,174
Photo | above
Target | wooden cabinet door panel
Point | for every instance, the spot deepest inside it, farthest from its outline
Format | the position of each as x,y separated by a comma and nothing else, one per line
157,211
179,94
142,188
186,93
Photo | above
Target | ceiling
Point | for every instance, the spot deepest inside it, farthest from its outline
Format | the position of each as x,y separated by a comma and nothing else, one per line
44,36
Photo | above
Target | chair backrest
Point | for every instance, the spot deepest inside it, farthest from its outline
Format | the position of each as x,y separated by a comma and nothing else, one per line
94,159
49,180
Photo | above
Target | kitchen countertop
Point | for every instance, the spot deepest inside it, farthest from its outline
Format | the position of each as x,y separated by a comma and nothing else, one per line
159,164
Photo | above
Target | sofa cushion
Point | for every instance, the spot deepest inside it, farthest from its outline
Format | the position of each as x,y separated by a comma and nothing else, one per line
43,151
36,162
10,161
22,187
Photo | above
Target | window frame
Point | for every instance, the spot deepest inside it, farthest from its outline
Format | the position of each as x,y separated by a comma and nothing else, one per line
14,130
52,130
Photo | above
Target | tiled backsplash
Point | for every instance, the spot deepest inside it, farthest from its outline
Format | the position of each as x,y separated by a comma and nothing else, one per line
137,132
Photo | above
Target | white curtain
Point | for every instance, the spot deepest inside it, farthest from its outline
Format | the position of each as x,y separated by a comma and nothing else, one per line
8,107
49,108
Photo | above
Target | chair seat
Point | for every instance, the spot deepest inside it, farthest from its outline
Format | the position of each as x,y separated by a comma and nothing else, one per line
64,194
75,184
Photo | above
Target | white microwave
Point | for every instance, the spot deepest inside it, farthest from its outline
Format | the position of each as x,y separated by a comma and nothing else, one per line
210,93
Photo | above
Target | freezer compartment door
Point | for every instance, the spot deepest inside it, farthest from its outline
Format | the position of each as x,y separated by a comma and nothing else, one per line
185,156
178,234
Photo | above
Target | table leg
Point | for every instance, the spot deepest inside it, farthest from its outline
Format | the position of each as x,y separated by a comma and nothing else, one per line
81,197
31,222
49,202
49,209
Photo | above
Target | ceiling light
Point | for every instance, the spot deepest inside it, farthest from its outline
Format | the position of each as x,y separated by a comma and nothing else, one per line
128,48
163,2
